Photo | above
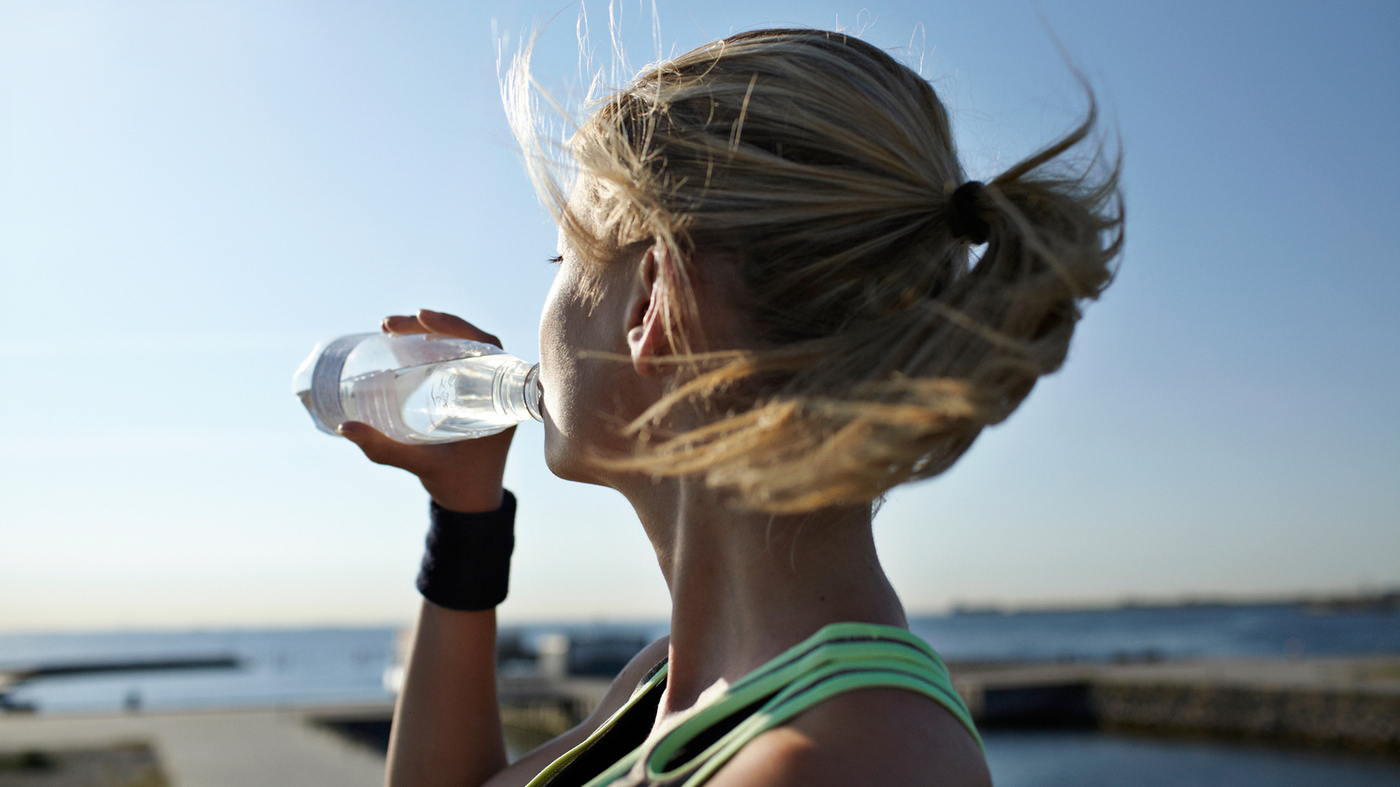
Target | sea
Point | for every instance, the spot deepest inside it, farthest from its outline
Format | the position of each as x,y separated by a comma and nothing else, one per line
331,666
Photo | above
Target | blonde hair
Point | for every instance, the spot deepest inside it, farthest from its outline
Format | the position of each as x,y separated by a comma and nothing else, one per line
821,170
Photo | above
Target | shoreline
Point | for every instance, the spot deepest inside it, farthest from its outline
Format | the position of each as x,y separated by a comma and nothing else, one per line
1291,704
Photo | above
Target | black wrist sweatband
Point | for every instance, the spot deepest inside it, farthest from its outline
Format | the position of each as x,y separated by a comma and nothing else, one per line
467,563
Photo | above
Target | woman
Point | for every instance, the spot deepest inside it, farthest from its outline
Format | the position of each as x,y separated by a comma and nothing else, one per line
765,316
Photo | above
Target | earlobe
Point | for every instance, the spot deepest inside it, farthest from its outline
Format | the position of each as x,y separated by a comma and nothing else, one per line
642,352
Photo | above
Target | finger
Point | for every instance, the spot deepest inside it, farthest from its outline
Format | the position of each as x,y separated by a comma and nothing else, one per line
377,447
452,325
402,324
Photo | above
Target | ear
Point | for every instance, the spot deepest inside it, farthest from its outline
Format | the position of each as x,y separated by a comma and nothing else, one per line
647,337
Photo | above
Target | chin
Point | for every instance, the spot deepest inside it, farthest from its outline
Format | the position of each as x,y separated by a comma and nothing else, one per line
565,458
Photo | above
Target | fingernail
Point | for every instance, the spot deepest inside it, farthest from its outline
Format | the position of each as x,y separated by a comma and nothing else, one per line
345,430
428,312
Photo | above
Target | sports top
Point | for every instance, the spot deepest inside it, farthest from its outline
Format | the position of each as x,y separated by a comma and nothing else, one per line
840,657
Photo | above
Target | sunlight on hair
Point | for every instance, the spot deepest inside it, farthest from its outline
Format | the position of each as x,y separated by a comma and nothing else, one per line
816,172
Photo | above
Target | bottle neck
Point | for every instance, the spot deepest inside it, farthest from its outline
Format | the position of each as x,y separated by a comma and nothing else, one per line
532,392
519,391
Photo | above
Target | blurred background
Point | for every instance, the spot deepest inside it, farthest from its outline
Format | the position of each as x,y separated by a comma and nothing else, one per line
194,193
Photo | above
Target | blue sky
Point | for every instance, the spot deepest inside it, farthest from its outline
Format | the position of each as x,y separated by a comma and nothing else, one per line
193,193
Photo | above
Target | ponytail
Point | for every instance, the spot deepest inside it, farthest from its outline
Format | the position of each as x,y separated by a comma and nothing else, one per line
823,173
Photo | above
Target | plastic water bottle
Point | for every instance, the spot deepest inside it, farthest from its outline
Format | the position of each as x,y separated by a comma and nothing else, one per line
420,388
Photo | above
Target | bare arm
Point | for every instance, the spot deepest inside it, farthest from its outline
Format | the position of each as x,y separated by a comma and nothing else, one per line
447,725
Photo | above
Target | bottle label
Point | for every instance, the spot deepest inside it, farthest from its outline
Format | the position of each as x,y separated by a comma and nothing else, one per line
325,380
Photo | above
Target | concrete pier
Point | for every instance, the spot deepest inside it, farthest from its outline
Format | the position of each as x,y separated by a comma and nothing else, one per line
255,748
1349,703
1346,703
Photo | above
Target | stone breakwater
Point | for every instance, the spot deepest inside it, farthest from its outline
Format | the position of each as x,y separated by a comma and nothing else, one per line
1346,703
1351,703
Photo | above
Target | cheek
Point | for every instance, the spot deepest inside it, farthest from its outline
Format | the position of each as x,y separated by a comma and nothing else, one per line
569,414
566,328
554,375
556,379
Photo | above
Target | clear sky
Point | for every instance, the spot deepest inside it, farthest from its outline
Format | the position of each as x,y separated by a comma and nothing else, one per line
192,193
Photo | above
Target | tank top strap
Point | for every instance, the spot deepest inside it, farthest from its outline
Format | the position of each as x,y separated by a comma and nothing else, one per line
649,685
839,658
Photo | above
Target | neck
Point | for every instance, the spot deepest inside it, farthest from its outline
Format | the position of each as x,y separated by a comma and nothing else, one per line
746,586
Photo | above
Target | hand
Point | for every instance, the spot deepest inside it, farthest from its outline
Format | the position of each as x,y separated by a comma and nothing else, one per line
462,476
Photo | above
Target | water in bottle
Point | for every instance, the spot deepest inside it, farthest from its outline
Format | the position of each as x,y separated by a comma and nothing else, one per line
421,388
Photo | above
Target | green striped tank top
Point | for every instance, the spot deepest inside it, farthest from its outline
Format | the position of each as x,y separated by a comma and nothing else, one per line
839,658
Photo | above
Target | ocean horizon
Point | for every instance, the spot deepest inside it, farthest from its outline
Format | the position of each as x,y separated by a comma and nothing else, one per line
347,665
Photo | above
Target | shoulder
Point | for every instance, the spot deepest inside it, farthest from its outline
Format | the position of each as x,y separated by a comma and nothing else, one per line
870,736
527,767
621,688
628,679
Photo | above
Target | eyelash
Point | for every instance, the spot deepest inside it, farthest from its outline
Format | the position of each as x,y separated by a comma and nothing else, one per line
555,260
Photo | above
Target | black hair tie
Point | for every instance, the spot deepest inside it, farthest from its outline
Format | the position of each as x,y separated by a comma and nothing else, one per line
963,219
